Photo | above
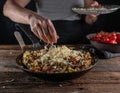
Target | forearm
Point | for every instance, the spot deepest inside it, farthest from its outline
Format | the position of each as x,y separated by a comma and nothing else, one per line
17,13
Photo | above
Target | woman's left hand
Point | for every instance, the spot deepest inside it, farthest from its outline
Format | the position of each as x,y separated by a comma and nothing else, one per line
91,18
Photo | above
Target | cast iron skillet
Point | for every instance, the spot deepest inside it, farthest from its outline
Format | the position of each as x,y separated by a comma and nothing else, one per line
56,76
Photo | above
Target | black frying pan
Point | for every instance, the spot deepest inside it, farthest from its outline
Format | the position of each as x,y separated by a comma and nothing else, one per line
55,76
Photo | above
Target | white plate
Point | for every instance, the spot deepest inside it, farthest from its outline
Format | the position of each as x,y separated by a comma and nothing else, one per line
103,10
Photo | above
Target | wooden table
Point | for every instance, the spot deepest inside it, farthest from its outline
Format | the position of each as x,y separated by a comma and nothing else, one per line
104,78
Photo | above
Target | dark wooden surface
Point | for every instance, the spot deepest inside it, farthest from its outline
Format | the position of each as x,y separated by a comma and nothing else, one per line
104,78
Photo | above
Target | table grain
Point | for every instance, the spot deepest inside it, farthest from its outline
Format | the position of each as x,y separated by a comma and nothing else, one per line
103,78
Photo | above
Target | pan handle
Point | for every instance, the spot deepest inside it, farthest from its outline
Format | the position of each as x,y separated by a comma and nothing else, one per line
20,40
29,34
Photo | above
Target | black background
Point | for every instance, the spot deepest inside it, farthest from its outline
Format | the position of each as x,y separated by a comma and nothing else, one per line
109,22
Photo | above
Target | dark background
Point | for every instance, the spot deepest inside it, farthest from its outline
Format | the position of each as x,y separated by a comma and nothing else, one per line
109,22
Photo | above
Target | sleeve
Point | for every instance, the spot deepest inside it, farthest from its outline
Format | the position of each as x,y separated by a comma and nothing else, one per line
82,3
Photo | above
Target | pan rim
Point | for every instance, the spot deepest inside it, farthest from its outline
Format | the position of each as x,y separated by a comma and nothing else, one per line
19,58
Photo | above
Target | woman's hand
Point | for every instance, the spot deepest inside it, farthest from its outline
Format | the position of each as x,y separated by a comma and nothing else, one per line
43,29
91,18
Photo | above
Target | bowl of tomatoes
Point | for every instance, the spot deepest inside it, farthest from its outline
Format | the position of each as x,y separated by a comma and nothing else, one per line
108,41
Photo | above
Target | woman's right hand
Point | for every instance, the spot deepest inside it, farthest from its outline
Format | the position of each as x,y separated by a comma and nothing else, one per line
43,29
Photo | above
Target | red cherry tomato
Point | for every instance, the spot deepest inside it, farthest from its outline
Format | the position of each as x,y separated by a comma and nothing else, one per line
106,40
113,37
113,33
112,42
107,37
118,38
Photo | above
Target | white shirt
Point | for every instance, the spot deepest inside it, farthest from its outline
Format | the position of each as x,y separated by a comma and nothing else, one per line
59,9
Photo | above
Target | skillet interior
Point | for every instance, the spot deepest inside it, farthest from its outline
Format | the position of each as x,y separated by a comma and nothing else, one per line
56,76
